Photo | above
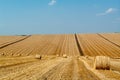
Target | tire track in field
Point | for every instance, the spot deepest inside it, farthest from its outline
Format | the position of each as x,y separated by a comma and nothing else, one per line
78,45
14,42
109,40
56,72
75,70
71,69
84,73
63,71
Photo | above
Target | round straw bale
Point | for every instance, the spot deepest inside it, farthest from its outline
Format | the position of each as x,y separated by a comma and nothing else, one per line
19,54
12,54
64,56
2,54
57,55
102,62
37,56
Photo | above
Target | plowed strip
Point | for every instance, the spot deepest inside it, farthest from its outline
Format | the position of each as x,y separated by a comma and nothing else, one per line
94,45
109,40
78,45
10,43
7,39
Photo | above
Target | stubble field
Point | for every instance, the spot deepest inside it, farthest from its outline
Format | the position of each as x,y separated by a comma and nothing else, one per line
63,56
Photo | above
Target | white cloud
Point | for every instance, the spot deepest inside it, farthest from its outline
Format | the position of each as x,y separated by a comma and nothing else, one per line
108,11
52,2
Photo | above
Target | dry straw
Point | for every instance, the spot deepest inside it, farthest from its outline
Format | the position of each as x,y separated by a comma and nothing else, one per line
102,62
37,56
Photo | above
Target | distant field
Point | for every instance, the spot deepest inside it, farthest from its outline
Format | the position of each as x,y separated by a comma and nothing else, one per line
18,62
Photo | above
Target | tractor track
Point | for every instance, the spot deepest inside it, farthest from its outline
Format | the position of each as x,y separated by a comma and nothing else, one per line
14,42
109,40
78,45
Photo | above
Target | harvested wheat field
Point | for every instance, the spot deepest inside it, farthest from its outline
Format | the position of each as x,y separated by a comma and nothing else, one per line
60,57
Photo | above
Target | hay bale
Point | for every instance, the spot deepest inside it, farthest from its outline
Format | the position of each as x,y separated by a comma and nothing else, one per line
102,62
37,56
12,54
19,54
64,56
57,55
2,54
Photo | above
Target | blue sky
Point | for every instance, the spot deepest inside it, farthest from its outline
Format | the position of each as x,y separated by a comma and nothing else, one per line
59,16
